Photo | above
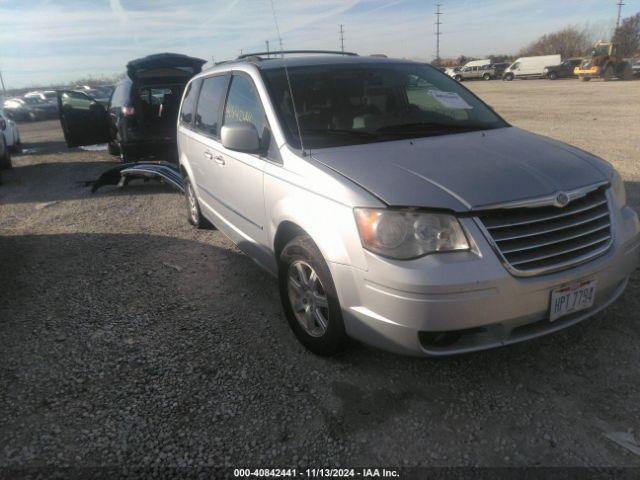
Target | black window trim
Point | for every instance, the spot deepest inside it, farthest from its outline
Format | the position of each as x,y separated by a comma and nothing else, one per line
191,82
220,107
239,73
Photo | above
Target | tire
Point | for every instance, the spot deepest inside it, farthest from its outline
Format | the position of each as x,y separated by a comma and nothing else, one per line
306,286
585,79
5,160
608,73
125,156
113,149
486,76
458,78
553,76
627,73
194,214
509,77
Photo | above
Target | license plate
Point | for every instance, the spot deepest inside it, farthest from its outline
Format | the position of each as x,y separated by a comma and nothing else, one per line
572,298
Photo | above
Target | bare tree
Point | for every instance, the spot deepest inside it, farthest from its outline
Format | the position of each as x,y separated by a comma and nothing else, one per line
568,42
627,36
500,58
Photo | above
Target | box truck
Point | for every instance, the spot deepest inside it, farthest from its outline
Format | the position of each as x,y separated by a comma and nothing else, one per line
530,67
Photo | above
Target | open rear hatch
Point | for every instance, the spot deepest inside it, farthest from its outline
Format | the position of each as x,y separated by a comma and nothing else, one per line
164,65
159,81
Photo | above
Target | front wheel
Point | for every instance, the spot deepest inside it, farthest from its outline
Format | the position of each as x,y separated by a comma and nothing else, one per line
627,73
486,76
458,78
585,79
608,73
309,298
508,77
553,76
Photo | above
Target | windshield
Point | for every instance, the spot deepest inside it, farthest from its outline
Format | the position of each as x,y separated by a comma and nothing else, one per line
32,100
351,104
601,50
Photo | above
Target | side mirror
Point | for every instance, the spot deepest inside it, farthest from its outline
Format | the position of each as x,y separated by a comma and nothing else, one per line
241,137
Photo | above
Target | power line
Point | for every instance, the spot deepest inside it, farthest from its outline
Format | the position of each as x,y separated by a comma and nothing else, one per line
620,5
438,23
342,38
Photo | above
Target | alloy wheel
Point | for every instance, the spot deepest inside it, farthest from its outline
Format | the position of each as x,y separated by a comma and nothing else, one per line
193,203
308,298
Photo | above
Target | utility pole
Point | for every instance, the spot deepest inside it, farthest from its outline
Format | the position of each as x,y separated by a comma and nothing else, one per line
342,38
4,90
267,42
620,5
438,23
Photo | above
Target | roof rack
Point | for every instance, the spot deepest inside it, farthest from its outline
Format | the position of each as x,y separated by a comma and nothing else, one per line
259,55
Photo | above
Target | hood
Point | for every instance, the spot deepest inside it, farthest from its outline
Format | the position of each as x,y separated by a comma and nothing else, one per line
190,65
466,171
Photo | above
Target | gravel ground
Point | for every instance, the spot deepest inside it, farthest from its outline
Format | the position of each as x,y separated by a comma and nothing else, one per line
130,339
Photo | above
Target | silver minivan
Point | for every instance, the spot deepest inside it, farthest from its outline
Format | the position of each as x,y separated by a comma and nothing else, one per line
396,208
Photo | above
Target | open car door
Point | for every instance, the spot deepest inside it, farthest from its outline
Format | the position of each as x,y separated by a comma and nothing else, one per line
84,120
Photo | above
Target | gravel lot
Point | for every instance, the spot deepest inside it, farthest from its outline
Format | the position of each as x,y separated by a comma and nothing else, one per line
129,339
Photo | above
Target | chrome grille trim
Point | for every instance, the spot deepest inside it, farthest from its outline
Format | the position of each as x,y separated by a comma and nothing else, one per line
558,228
533,240
562,251
551,242
564,213
543,201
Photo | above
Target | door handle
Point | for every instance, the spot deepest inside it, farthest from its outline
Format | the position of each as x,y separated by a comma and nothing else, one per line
219,160
208,155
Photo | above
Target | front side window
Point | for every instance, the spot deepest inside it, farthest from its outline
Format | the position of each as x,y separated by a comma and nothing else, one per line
351,104
207,117
244,105
189,102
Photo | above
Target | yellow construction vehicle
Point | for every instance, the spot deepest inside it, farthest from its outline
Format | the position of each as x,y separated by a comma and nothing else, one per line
604,63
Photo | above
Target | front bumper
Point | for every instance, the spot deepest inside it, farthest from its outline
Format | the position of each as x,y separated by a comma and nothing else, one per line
455,303
588,72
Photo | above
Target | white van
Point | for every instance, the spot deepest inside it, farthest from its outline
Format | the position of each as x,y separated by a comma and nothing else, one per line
452,72
530,67
477,63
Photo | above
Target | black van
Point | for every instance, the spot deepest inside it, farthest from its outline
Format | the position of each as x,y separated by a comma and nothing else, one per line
141,116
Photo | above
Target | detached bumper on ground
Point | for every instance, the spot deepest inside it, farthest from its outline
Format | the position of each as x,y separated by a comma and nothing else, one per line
456,303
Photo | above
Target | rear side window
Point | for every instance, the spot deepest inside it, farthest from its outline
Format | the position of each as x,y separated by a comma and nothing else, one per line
207,117
189,102
244,105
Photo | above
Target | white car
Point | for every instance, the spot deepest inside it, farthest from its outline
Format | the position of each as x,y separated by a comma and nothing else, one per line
10,131
44,95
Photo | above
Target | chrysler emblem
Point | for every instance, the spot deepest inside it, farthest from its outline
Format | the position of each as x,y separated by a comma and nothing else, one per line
562,199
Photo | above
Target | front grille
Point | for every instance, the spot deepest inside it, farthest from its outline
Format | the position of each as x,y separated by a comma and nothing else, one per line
541,239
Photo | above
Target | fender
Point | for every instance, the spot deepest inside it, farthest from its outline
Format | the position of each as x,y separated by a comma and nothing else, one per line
333,230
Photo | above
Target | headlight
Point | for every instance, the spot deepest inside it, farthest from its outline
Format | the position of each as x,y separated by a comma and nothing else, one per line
617,187
546,70
406,234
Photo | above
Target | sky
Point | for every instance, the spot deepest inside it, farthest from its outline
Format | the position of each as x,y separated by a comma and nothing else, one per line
56,41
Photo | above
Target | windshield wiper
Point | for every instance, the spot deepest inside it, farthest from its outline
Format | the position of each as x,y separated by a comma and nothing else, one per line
430,127
354,133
